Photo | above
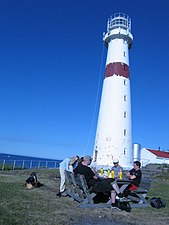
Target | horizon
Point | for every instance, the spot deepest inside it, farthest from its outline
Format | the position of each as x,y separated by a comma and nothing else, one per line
26,156
161,150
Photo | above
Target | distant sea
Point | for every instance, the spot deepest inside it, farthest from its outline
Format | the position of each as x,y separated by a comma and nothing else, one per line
28,162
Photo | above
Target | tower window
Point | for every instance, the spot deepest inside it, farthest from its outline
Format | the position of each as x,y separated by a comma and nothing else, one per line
125,132
125,82
125,98
124,151
124,54
125,114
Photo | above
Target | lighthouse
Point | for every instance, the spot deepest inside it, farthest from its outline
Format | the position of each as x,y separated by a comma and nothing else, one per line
114,128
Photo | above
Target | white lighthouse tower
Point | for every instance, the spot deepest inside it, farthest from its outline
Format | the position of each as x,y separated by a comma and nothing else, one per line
114,131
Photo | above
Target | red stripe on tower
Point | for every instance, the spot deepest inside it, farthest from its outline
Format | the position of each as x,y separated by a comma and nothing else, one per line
118,69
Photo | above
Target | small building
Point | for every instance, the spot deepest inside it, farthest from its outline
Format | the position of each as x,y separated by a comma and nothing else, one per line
154,156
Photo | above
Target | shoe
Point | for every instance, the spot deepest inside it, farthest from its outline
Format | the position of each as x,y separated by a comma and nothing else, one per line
115,208
120,195
63,194
59,194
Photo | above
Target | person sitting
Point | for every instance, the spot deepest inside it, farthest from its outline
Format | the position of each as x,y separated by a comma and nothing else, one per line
117,168
68,164
32,181
135,176
96,185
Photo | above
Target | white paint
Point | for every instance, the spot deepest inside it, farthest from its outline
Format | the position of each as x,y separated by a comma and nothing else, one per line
148,157
110,141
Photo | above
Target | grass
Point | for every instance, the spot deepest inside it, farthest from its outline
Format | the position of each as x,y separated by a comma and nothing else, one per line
40,206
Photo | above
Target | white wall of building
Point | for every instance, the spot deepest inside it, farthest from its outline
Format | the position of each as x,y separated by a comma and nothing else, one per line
147,157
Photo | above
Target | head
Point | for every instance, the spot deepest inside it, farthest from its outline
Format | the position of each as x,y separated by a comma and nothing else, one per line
87,160
33,174
74,159
81,160
137,165
77,157
115,162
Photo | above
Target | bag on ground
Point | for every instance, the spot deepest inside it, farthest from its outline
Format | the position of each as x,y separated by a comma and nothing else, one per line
157,203
124,206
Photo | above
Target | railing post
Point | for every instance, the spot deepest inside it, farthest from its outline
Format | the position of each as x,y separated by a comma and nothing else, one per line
23,163
14,162
3,165
30,164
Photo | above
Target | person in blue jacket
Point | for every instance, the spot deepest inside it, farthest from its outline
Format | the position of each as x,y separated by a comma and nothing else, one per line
68,164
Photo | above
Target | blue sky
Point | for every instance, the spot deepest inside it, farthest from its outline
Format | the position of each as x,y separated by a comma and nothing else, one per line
52,62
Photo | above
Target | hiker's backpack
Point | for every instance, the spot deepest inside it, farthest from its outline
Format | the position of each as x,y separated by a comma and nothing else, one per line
157,203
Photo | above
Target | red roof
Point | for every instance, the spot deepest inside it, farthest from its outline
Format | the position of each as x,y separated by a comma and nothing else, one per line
159,153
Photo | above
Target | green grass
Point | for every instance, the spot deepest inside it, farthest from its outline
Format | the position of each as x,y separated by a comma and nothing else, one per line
40,206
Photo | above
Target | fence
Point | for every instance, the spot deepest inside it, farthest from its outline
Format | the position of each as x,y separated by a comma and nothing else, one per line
27,164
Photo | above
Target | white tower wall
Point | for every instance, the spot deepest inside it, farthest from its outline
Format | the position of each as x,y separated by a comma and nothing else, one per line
114,54
114,131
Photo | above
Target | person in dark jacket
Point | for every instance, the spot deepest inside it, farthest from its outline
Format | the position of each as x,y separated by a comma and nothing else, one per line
32,181
96,185
135,176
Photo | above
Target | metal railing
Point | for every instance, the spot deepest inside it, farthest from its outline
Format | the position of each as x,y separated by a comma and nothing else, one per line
27,164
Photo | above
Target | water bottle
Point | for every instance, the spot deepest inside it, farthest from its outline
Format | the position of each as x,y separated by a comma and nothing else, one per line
108,173
112,174
101,172
121,174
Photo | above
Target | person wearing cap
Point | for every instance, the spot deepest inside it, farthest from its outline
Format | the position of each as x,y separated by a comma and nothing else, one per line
96,185
117,168
68,164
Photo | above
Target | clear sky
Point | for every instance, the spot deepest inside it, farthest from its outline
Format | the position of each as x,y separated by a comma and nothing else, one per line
52,62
